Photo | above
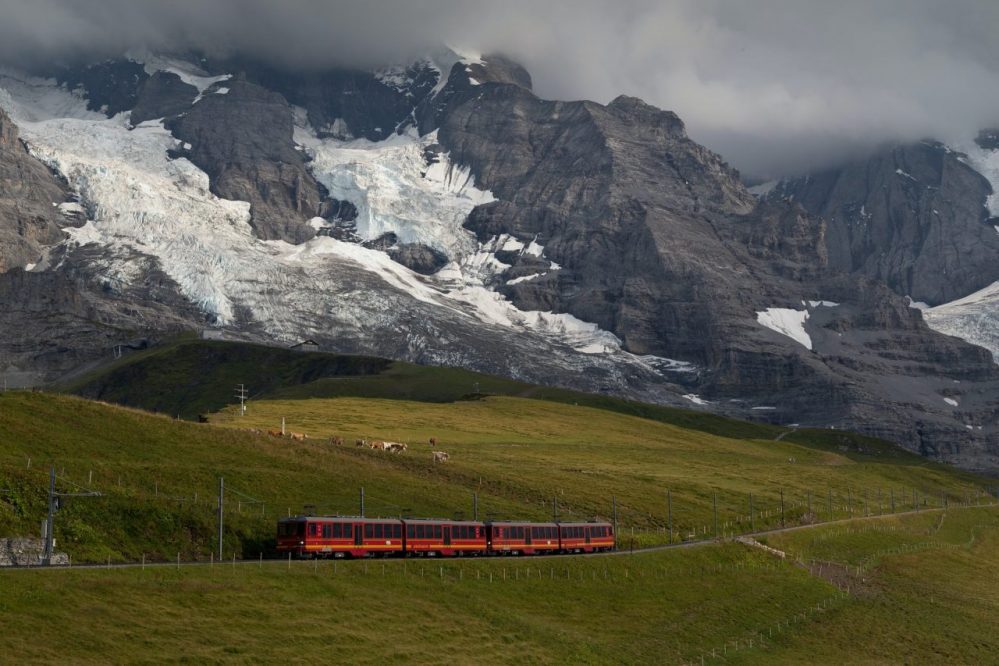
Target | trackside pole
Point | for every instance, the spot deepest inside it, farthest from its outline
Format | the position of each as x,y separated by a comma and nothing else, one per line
362,501
669,512
47,560
221,516
614,504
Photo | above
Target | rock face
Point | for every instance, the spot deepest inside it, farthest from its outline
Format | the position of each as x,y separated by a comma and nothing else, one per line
110,87
622,201
164,95
345,103
27,553
29,194
911,216
418,257
243,140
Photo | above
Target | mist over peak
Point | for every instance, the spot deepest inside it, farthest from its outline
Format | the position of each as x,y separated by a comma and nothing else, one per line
777,87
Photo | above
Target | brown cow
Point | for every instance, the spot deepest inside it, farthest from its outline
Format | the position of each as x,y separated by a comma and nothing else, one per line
298,436
433,442
274,433
360,442
440,456
377,445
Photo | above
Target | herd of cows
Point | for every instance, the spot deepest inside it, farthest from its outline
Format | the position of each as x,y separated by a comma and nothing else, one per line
334,440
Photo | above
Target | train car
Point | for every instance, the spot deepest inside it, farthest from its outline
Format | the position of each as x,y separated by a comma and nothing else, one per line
444,538
339,536
509,538
585,537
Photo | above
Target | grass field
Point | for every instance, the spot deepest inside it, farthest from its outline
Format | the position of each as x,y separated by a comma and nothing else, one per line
926,595
160,476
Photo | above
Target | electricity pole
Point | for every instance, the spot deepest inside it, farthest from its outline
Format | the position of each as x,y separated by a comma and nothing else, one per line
669,512
241,394
221,515
47,558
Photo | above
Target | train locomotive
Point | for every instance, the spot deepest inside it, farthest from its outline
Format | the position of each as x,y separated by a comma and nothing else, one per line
355,537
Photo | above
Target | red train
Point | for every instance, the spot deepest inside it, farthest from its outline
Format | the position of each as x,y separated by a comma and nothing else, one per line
344,536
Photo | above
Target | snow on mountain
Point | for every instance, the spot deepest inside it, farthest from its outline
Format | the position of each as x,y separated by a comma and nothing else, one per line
985,162
138,198
395,190
189,73
974,318
787,322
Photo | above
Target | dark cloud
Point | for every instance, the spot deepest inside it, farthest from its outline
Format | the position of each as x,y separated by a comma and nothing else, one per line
773,85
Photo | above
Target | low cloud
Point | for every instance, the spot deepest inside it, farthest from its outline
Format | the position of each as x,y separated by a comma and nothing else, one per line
775,86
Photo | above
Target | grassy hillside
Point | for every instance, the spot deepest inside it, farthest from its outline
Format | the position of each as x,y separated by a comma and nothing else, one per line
192,377
159,476
927,596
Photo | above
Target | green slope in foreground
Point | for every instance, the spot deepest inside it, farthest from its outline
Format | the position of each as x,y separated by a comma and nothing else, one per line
159,477
925,593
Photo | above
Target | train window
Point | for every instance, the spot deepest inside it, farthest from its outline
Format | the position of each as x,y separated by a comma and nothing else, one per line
369,531
397,531
337,531
312,529
410,531
438,532
348,530
326,530
421,531
379,533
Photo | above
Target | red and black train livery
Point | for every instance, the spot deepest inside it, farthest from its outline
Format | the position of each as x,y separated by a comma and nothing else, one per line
345,536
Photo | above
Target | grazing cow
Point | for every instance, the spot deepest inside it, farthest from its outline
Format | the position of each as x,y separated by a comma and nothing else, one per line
440,456
298,436
360,442
336,441
395,447
433,442
274,433
377,445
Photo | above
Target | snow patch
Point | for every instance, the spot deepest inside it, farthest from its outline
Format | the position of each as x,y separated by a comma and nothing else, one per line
787,322
824,304
188,73
71,208
951,401
527,278
696,399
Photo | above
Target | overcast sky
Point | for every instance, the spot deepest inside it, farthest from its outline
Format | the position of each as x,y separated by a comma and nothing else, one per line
775,86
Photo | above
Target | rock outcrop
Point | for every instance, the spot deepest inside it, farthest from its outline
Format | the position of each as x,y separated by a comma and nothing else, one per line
241,136
29,196
911,216
164,95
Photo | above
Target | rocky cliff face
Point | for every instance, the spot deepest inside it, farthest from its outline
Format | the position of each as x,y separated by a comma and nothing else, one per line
29,196
241,135
913,217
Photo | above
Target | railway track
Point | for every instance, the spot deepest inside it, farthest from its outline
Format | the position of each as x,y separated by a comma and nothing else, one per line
615,553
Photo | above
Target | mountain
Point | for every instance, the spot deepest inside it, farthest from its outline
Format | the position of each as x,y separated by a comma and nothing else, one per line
441,212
